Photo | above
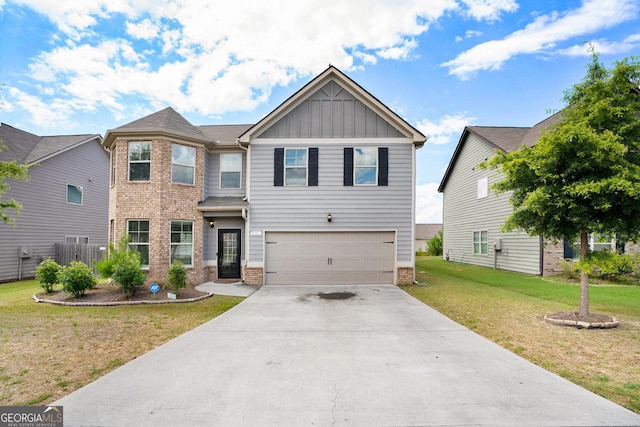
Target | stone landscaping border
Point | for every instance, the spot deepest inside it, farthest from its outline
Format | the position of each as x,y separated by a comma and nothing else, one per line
112,303
580,324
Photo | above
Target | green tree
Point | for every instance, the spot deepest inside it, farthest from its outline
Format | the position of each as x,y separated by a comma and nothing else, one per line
10,170
583,175
434,245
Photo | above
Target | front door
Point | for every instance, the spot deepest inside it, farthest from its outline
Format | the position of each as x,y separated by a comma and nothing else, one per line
229,254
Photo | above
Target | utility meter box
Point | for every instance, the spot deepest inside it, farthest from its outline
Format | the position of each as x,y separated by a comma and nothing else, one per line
497,245
25,251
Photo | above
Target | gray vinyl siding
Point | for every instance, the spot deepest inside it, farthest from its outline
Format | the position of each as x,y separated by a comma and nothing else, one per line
212,177
46,218
353,208
464,213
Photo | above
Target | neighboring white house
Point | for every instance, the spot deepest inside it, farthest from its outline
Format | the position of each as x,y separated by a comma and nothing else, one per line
65,201
321,190
424,233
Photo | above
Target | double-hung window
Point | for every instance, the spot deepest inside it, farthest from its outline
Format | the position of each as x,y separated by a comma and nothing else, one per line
74,194
183,164
365,166
480,242
138,232
139,161
182,242
295,166
230,170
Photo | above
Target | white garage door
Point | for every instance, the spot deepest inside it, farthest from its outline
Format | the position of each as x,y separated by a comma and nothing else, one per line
305,258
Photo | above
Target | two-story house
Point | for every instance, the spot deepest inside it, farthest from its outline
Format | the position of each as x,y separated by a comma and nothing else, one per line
473,215
65,200
321,190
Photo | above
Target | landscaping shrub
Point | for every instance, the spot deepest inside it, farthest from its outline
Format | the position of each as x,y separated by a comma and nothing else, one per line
177,276
434,245
107,266
76,279
609,265
570,268
47,274
128,274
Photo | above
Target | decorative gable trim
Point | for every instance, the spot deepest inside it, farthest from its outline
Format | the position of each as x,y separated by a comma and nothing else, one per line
333,75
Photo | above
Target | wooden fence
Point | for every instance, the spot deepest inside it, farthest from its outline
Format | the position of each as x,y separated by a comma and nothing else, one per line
87,253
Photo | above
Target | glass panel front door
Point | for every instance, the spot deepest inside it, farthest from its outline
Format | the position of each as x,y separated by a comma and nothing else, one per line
229,254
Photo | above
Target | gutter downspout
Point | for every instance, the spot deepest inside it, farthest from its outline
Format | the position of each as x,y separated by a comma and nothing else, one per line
244,210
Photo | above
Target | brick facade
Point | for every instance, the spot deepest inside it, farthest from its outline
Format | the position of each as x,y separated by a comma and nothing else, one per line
405,275
253,275
159,201
553,254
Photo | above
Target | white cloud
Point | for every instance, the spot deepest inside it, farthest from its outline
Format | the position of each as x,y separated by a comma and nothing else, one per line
468,34
604,47
216,56
489,10
428,204
43,114
447,129
543,34
143,30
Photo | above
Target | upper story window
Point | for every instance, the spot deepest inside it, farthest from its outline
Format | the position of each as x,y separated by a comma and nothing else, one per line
295,166
230,170
365,164
139,161
483,187
74,195
183,164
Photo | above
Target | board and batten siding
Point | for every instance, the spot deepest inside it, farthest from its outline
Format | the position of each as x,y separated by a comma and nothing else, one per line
46,218
465,213
353,208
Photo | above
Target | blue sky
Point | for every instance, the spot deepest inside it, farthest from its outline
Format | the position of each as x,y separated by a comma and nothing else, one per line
86,66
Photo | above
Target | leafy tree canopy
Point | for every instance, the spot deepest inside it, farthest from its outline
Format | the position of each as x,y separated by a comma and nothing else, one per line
583,175
10,170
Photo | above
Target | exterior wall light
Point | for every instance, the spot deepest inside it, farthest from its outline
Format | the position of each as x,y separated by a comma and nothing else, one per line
212,223
329,217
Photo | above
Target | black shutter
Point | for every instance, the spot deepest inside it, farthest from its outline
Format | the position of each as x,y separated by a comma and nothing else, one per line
278,167
383,166
348,167
313,167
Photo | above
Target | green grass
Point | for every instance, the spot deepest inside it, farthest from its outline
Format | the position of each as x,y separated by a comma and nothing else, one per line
49,351
509,309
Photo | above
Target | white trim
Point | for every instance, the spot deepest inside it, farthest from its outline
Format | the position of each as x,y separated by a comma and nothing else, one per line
67,194
193,167
220,187
306,167
313,142
193,232
377,166
137,161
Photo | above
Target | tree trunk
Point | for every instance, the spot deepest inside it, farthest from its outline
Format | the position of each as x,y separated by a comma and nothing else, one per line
584,277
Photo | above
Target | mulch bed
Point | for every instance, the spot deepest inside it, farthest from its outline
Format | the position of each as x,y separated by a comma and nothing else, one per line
106,293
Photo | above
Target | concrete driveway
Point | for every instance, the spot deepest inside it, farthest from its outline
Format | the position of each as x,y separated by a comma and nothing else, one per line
334,356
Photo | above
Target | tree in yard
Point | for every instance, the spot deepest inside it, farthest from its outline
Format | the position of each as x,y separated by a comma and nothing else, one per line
434,245
10,170
583,175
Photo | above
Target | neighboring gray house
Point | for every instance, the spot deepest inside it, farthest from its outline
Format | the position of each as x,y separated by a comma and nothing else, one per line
321,190
473,214
65,200
424,233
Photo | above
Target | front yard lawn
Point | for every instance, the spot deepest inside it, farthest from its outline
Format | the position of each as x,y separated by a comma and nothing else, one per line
509,309
48,351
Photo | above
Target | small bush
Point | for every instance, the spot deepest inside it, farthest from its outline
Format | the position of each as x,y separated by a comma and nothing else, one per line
609,265
434,245
570,268
107,266
128,274
177,277
76,279
47,274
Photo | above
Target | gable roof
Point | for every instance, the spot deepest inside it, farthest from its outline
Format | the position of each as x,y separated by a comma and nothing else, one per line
332,73
27,148
164,122
502,138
